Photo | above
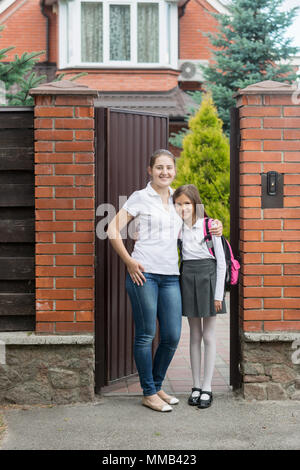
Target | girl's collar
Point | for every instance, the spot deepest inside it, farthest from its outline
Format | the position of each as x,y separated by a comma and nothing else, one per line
197,224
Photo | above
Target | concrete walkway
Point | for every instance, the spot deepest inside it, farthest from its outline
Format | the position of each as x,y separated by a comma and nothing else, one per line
121,423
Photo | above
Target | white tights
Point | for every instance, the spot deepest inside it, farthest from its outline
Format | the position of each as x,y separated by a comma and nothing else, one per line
202,328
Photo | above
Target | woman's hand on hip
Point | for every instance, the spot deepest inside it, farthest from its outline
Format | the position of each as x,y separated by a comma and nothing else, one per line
135,270
216,228
218,305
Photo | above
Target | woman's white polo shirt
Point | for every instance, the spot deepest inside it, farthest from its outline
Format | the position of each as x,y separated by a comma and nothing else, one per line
156,229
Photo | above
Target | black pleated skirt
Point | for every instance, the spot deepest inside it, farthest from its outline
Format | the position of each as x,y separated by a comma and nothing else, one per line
198,283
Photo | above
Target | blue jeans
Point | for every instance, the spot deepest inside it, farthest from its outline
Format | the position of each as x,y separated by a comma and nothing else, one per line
159,297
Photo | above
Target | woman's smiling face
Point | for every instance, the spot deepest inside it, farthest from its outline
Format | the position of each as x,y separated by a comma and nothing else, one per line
163,171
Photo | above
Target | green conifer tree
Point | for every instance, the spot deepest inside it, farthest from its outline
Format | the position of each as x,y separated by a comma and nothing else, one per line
204,162
251,47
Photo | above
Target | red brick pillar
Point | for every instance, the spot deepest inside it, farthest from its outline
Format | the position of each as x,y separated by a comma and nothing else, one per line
269,241
64,202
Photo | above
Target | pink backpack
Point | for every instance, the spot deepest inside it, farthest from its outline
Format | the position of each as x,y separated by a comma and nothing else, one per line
232,265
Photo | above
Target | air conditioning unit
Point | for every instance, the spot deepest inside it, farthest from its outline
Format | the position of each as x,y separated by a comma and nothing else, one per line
190,70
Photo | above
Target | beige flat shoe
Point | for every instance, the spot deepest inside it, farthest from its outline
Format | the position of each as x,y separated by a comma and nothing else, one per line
155,406
167,398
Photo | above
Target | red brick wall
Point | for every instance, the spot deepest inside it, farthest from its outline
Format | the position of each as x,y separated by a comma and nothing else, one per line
25,28
64,169
270,281
128,80
195,21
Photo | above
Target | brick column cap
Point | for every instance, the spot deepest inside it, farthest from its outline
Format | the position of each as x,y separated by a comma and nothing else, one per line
63,87
267,87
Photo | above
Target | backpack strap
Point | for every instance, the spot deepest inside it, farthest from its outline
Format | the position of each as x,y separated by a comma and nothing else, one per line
207,235
179,246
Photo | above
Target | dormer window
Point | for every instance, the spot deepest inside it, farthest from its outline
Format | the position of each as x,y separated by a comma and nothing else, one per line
118,33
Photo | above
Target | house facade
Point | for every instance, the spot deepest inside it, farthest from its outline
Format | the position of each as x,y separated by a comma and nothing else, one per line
138,55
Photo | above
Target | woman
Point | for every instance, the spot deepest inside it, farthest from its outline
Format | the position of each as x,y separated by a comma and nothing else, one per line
202,289
152,280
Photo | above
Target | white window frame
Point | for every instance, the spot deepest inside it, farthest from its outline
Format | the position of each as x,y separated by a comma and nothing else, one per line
70,35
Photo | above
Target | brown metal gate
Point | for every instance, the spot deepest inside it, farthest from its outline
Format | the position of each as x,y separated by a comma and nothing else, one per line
17,263
125,141
235,375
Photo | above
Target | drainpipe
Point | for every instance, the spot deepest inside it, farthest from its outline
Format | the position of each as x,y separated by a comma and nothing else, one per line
42,6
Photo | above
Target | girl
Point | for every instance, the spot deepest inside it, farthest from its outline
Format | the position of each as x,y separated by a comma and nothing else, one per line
152,280
202,289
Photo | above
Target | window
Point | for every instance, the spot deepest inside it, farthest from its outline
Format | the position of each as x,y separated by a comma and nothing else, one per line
119,32
148,32
115,33
91,32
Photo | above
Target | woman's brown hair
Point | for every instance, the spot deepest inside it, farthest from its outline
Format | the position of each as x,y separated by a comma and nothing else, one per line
158,153
192,193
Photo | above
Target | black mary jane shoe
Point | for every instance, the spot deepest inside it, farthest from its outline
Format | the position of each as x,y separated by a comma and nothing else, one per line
194,401
205,403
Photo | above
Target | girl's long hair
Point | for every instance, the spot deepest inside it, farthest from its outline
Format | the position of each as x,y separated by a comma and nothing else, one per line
192,193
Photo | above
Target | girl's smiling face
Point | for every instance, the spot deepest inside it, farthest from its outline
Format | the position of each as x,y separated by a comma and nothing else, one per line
185,208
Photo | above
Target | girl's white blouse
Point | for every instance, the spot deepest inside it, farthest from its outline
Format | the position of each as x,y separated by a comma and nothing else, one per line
155,230
193,247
